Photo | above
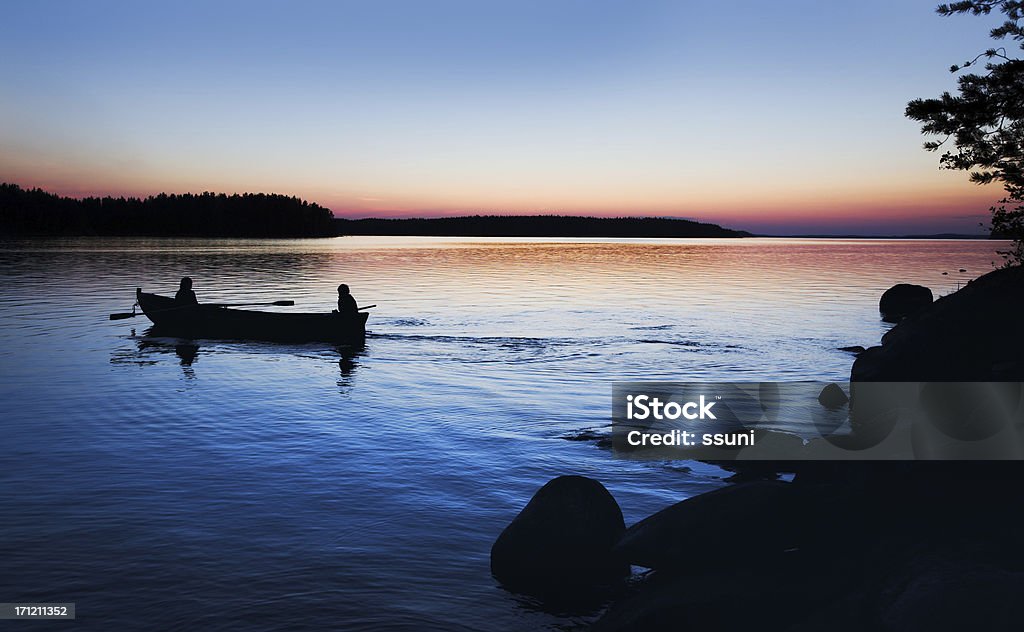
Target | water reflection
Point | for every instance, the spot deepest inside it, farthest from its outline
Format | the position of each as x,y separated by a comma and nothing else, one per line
150,348
348,363
154,345
187,352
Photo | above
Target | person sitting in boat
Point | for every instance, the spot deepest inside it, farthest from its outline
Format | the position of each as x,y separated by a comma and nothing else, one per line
185,295
346,304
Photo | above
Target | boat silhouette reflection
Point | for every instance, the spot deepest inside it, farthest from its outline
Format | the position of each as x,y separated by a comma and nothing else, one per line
154,344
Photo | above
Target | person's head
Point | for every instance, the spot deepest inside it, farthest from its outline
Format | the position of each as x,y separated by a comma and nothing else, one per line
342,289
186,283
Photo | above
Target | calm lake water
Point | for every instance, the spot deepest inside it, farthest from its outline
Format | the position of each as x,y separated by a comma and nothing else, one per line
163,484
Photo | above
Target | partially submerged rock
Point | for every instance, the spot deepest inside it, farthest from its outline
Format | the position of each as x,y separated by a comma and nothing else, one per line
832,397
903,299
729,526
560,543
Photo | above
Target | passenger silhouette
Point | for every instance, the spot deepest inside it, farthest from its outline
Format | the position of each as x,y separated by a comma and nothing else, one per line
346,304
185,295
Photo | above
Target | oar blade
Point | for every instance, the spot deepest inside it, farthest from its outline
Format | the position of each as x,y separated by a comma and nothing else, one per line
123,315
283,303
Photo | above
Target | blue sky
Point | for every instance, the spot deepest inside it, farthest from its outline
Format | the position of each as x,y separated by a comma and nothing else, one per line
780,117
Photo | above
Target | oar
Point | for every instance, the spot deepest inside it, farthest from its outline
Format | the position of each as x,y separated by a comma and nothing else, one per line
275,303
359,309
133,313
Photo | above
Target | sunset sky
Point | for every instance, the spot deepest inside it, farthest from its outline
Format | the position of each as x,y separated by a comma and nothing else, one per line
777,117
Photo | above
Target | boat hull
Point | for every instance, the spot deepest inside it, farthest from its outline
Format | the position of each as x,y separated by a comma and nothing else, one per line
208,321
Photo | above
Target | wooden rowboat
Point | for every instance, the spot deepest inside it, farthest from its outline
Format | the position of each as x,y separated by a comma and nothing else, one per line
213,321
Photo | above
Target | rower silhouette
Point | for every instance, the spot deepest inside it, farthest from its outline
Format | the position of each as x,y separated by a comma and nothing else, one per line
185,295
346,303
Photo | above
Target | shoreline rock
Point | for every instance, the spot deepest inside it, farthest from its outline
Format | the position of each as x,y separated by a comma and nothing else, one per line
971,335
559,545
832,397
729,526
902,300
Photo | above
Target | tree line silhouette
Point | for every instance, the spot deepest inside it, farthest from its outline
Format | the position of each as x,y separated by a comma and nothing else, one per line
536,226
34,212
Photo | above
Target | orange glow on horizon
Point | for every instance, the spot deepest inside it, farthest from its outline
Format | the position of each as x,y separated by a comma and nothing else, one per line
934,196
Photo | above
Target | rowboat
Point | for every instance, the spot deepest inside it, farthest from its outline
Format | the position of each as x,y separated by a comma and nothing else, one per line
217,321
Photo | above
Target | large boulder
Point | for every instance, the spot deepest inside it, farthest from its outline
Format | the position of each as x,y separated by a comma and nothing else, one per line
731,526
560,543
903,300
971,335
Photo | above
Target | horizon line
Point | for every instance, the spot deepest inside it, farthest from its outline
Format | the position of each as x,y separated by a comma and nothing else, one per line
456,214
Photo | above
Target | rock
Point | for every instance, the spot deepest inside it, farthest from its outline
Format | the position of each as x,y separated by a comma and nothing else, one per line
832,397
970,411
602,439
560,543
770,398
845,614
902,300
731,526
971,335
722,600
939,594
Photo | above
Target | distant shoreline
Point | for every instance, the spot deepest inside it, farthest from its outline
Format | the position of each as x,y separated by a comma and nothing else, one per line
38,213
937,236
34,213
535,226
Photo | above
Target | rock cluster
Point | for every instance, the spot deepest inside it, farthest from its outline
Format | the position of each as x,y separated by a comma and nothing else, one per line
974,334
845,546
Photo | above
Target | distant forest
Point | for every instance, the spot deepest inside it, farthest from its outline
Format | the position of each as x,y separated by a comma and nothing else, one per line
34,212
536,226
